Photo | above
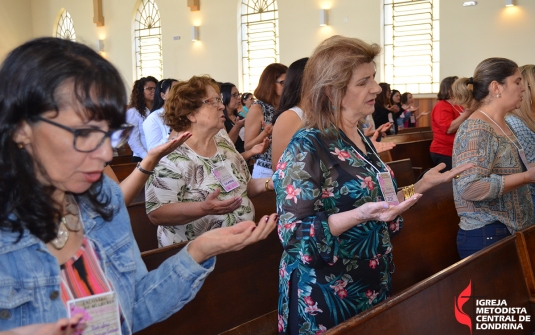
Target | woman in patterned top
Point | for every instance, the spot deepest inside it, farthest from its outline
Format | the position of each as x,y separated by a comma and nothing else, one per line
205,183
334,227
522,120
258,122
493,199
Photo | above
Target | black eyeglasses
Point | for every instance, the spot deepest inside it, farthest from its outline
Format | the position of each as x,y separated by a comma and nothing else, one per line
90,139
235,95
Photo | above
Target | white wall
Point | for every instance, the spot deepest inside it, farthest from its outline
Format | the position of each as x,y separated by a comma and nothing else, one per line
467,34
15,24
470,34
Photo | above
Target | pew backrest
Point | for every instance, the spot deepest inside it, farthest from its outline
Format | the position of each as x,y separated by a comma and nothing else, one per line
403,172
144,230
417,151
123,170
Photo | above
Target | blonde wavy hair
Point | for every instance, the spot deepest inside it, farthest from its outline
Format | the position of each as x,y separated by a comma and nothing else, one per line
326,76
527,109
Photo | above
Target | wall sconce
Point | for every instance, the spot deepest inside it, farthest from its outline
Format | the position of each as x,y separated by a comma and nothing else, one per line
100,45
195,33
324,17
469,3
509,3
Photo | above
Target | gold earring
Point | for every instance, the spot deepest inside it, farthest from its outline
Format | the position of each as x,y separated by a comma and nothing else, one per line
20,145
498,95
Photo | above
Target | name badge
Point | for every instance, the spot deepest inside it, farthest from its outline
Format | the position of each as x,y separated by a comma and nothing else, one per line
225,178
387,188
413,118
101,313
390,117
522,155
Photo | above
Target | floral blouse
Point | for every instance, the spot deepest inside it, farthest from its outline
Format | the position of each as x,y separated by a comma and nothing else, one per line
479,192
183,176
329,278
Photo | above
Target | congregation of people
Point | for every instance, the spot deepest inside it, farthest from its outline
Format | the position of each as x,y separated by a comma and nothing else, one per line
312,132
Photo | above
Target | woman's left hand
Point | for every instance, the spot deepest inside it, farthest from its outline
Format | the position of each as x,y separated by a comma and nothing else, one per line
433,177
222,240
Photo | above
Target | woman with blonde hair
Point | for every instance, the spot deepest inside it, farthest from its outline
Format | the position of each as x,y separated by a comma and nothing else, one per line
522,120
493,198
334,225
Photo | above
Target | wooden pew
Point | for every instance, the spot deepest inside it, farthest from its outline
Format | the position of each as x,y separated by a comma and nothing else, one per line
403,172
401,138
427,135
526,252
413,130
144,230
428,307
123,170
417,151
243,286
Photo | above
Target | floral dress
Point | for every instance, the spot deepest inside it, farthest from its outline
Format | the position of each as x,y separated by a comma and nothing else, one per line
183,176
326,279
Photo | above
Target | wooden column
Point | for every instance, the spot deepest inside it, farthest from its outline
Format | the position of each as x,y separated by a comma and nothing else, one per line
194,5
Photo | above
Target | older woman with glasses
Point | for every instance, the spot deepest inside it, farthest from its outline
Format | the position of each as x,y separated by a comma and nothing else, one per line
205,183
65,233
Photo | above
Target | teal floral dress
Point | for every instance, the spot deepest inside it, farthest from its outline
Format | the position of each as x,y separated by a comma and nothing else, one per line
326,279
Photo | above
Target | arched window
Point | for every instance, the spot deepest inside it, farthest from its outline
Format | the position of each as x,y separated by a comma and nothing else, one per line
148,40
65,27
259,39
411,53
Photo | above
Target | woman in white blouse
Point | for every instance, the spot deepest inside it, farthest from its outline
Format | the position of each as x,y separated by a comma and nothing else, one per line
156,131
138,109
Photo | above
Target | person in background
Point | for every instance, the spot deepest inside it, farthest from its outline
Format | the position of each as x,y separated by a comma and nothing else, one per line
493,199
334,226
446,118
289,113
139,107
522,120
399,117
155,130
410,110
233,121
205,183
65,230
247,100
258,122
381,114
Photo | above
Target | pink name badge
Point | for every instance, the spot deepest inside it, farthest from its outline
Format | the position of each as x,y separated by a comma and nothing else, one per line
225,178
387,188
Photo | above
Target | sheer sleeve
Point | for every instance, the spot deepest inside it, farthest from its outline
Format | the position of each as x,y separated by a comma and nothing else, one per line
477,145
303,227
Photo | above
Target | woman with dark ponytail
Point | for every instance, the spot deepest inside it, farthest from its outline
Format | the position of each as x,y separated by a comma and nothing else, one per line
493,199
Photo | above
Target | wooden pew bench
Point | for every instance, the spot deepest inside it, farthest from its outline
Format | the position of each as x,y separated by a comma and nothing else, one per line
123,170
428,307
417,151
403,172
413,130
526,252
144,230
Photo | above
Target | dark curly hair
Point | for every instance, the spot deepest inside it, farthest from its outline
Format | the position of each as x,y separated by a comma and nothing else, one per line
184,99
137,97
36,71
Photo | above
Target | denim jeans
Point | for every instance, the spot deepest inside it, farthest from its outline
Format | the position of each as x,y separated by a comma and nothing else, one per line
471,241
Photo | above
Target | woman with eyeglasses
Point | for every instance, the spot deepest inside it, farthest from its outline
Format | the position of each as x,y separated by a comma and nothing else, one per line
247,100
155,130
205,183
522,120
139,107
258,122
65,233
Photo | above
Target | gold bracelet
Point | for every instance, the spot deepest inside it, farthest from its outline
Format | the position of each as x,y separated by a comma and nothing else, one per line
266,184
408,191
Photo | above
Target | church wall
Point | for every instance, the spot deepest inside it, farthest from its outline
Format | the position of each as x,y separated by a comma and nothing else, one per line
15,25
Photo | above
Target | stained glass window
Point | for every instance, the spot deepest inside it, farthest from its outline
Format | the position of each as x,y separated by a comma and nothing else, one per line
65,27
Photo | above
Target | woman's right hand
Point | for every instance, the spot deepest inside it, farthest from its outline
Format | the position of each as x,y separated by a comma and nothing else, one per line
213,206
382,211
222,240
61,327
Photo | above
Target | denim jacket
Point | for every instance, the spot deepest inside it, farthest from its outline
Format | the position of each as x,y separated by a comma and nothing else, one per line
30,282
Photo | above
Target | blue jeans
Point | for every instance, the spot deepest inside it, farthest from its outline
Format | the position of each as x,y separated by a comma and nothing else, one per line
471,241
